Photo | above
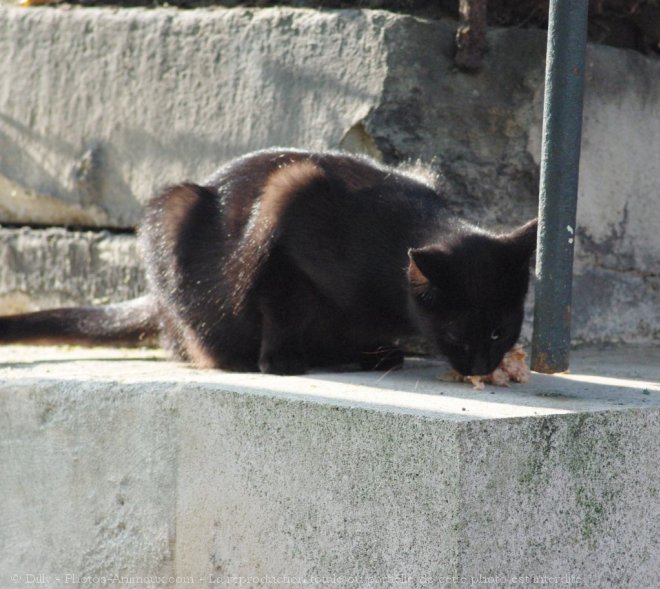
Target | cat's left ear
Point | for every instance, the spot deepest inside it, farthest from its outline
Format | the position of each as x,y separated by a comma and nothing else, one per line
523,240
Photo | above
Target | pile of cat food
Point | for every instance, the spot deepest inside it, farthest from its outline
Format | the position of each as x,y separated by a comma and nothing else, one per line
512,368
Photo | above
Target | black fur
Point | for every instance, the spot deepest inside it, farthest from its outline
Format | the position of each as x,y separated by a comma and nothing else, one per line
287,259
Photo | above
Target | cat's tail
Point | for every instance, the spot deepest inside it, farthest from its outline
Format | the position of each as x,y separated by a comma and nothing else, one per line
129,323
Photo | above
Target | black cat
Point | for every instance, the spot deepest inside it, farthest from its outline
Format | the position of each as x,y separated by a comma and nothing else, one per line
287,259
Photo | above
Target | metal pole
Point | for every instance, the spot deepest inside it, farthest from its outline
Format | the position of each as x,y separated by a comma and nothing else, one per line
560,158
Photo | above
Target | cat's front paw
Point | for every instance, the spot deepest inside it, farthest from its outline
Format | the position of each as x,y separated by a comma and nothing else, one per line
283,364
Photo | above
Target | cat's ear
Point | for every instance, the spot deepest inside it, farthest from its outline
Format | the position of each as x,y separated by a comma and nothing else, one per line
415,275
427,265
523,240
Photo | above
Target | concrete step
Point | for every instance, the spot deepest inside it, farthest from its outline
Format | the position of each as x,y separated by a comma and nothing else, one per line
119,463
45,268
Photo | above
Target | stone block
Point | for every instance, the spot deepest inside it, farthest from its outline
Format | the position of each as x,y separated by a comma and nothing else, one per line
54,267
116,463
102,107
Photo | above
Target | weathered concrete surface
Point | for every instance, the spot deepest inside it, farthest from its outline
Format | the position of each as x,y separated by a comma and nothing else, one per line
102,107
55,267
117,463
22,205
618,212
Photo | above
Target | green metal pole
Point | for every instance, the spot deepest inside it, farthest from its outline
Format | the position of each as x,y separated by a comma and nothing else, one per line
560,159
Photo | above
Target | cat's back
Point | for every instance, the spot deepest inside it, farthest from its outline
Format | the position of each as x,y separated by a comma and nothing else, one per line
289,191
276,179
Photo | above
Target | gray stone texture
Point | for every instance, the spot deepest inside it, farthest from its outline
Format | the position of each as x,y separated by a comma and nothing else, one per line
55,267
141,468
101,107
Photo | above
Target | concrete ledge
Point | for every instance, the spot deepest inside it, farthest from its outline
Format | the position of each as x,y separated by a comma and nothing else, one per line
118,463
55,267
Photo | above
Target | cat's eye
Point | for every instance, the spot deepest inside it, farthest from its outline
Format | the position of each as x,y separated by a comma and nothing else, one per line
496,334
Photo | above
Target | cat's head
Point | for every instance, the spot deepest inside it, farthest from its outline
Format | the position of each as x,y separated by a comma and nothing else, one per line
468,294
